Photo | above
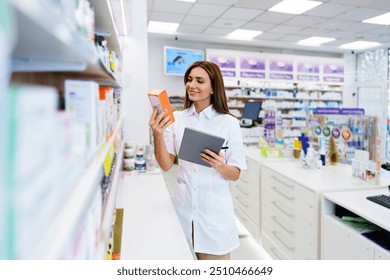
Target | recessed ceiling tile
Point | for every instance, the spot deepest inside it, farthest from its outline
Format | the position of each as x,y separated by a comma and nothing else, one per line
217,31
328,10
218,2
292,38
369,37
193,29
336,24
303,20
207,10
309,31
270,36
273,17
359,14
228,23
285,29
261,26
241,13
340,34
262,4
167,17
381,30
360,27
198,20
172,6
377,4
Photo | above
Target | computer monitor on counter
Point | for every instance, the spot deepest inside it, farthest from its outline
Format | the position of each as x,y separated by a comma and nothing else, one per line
250,114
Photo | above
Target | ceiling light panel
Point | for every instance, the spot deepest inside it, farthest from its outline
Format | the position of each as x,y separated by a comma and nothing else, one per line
295,7
315,41
162,27
243,34
359,45
383,19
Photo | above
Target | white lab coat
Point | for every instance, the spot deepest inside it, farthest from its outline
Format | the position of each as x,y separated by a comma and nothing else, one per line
202,196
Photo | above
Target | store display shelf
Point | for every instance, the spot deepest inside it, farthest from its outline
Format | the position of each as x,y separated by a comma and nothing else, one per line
68,219
48,43
104,22
46,39
284,98
108,212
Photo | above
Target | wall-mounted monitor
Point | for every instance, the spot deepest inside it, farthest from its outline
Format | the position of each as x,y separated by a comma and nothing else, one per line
176,60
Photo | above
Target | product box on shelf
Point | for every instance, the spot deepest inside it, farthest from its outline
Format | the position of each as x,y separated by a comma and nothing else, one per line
81,98
32,159
106,95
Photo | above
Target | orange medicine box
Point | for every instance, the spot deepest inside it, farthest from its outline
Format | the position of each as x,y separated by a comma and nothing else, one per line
159,98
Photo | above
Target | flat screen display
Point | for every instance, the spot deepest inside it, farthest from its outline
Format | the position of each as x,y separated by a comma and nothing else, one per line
251,110
176,60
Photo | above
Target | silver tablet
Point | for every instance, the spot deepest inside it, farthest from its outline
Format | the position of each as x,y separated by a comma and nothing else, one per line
195,141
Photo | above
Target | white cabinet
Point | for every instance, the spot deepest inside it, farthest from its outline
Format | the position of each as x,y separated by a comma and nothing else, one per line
246,197
291,204
288,215
341,241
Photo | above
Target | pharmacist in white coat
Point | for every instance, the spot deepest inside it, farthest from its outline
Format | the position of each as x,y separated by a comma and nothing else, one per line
202,196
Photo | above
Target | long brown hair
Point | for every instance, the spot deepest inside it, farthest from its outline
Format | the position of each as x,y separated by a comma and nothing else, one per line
218,98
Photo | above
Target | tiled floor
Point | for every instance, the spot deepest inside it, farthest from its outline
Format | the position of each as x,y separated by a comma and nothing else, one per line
249,249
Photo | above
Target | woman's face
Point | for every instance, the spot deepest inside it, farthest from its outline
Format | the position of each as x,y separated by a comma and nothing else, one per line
198,86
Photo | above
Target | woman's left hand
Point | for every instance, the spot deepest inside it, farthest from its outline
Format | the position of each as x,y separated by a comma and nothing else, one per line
217,161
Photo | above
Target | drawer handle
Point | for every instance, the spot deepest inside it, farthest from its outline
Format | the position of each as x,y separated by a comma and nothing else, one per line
282,194
245,181
280,181
273,250
291,232
243,218
291,249
281,209
242,203
241,190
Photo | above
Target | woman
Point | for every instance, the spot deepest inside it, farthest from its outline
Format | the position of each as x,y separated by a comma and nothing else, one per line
202,196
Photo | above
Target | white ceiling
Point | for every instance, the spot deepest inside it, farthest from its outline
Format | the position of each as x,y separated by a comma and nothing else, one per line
211,20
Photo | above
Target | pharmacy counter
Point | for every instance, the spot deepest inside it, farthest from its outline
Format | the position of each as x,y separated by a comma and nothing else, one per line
151,229
290,205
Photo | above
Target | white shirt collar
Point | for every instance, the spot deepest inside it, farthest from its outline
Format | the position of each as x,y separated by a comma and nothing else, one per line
209,112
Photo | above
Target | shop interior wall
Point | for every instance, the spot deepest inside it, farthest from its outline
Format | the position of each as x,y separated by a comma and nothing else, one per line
175,85
135,75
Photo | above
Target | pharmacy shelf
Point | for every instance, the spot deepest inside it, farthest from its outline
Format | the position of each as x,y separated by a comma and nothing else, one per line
105,24
59,234
283,98
108,211
48,43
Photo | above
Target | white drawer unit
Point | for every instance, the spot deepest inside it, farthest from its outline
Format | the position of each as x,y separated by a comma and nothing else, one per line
288,217
246,197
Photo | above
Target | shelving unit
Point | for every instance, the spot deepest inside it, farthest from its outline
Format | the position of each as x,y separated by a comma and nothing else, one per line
294,102
49,50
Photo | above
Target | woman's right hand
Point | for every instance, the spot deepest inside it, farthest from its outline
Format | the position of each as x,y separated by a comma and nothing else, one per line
158,123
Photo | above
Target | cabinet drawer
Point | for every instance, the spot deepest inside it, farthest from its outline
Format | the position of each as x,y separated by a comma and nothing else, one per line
252,227
295,196
289,218
247,202
272,249
279,237
250,179
290,239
